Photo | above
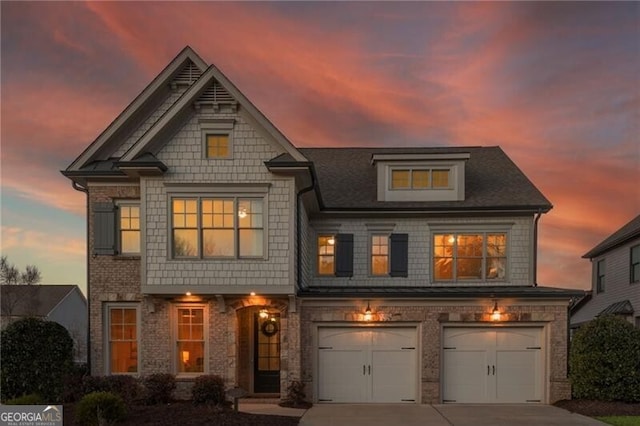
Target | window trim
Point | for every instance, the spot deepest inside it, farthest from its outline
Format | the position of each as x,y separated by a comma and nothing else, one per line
216,127
472,231
632,278
600,276
372,235
107,336
205,337
319,235
127,203
227,195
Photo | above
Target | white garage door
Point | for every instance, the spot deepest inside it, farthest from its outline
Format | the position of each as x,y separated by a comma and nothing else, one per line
367,365
500,365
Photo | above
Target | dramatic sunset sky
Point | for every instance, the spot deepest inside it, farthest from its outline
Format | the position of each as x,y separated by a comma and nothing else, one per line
556,85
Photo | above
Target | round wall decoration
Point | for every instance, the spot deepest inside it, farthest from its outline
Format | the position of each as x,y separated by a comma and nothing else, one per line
269,328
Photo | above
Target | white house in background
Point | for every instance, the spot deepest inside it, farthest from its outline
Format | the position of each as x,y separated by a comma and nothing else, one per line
398,275
64,304
615,278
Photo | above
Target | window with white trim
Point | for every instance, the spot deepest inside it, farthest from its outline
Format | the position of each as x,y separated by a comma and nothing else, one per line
218,145
419,178
217,227
634,272
122,324
469,256
326,254
129,227
379,254
190,339
600,274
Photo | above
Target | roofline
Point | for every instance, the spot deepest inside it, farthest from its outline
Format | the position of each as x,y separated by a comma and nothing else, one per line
597,251
439,210
74,288
162,78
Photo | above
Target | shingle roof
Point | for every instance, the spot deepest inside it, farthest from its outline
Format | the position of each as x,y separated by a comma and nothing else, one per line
32,300
348,180
627,232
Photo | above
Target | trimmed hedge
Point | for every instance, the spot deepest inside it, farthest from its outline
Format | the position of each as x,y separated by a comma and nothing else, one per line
126,387
36,357
99,408
158,388
209,389
604,360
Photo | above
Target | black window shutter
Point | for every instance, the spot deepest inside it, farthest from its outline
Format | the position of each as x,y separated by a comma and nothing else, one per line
344,255
104,229
399,255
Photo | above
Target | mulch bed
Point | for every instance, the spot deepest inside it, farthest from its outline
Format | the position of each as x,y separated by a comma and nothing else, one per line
599,408
188,414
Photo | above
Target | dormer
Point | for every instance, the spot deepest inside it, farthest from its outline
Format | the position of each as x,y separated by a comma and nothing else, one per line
420,177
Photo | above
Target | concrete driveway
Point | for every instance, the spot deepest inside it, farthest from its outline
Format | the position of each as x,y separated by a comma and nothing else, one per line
442,415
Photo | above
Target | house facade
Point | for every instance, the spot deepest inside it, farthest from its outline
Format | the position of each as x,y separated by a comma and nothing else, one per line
216,246
615,265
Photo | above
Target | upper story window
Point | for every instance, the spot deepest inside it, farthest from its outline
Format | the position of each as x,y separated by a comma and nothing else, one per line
326,254
600,273
635,264
379,254
217,146
129,228
122,332
217,137
469,256
217,227
419,178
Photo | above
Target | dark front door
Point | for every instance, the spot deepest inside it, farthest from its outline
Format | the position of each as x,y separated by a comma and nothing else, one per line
266,354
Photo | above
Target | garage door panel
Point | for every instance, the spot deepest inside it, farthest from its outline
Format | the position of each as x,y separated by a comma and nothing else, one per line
465,374
344,337
516,378
342,375
469,337
394,376
393,337
518,338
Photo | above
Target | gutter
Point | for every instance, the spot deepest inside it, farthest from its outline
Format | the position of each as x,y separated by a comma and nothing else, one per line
81,188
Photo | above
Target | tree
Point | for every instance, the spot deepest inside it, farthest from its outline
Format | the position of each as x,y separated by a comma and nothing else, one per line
9,273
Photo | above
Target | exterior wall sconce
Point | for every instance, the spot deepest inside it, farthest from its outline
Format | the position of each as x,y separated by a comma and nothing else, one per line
367,312
264,314
495,314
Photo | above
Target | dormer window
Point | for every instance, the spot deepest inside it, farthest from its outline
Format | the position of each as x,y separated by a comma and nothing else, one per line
420,177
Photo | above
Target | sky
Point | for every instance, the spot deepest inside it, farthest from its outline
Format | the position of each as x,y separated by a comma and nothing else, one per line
556,85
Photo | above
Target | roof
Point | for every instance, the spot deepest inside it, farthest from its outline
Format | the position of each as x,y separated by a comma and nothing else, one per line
618,308
348,180
627,233
441,292
33,300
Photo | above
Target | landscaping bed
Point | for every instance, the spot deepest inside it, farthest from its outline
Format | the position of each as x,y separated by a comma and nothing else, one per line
599,408
186,413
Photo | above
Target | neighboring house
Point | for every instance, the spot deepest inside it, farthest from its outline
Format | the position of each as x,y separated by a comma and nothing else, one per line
615,278
369,274
64,304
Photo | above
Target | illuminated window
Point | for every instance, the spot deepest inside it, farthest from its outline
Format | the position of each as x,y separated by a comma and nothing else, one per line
218,227
600,272
129,225
467,256
190,342
326,254
379,254
217,146
123,339
418,179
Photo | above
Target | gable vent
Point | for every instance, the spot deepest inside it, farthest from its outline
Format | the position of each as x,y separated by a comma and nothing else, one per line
216,96
187,75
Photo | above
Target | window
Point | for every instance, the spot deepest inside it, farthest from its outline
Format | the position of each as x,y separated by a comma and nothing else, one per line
416,179
469,256
217,146
190,340
379,254
600,271
129,228
326,254
635,264
123,339
218,227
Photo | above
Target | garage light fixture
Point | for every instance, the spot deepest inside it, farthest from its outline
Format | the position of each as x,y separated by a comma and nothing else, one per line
367,312
495,314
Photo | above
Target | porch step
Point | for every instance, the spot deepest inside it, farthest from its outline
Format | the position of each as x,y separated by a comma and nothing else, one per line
259,400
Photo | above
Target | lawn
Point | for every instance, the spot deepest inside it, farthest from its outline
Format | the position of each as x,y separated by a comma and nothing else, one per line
621,420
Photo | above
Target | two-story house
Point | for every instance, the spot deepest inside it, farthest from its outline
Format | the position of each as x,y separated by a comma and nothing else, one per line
215,246
615,278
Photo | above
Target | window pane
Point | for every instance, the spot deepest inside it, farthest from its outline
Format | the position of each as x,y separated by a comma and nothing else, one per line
380,265
124,357
469,268
218,242
420,179
190,357
326,250
399,179
496,267
130,242
379,254
325,265
440,178
117,316
185,242
251,243
217,146
443,268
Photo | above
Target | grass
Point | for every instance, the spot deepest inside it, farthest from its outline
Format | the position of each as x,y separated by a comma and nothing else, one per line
621,420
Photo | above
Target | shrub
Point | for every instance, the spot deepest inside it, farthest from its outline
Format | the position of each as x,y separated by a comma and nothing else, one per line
158,388
127,387
605,360
36,356
295,396
73,383
99,408
208,389
31,399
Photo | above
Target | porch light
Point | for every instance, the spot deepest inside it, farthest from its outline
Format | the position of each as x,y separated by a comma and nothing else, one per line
264,314
367,312
495,314
188,293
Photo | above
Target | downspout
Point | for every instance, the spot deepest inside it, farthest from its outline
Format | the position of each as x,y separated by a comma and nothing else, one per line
535,248
81,188
298,232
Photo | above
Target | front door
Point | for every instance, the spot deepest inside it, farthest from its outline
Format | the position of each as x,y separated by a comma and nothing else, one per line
266,347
